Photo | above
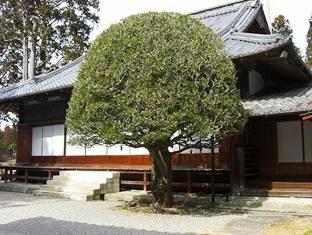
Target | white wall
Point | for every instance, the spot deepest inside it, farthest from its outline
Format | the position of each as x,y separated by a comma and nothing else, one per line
289,141
256,82
73,150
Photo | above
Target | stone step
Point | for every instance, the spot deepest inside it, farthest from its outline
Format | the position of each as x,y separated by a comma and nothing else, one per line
81,185
105,174
102,189
277,193
75,184
71,183
69,189
66,195
83,179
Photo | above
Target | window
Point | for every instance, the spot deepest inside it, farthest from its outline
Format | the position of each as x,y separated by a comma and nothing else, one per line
48,140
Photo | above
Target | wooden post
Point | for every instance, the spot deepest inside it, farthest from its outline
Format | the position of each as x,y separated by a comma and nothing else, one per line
49,174
302,141
24,144
5,175
212,170
11,175
145,181
189,182
26,172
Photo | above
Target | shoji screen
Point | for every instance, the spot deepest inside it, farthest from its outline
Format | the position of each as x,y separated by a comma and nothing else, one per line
48,141
37,141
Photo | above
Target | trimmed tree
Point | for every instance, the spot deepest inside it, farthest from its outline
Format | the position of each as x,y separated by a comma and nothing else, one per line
161,81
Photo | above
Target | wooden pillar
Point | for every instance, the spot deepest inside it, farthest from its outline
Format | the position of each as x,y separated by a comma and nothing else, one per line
237,171
189,182
145,181
302,141
24,144
5,175
49,174
11,175
26,176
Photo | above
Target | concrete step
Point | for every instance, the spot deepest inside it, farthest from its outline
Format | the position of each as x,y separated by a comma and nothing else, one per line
83,179
305,193
105,174
84,190
279,185
81,185
71,183
66,195
18,187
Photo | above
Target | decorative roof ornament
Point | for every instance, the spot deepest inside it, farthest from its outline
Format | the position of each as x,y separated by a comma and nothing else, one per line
256,3
285,32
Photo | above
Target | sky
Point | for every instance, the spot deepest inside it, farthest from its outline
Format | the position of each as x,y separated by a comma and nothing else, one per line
297,11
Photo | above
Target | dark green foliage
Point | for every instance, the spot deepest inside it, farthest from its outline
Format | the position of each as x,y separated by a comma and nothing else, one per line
7,141
59,29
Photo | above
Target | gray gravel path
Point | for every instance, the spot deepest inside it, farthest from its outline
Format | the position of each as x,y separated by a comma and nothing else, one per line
25,214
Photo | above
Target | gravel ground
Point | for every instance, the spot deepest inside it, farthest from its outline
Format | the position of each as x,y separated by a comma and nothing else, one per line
25,214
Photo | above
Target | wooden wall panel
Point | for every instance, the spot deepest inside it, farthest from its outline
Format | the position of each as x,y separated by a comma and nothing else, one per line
24,143
183,160
263,136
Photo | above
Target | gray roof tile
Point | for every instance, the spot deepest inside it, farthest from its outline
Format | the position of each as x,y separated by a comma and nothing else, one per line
245,44
63,77
291,101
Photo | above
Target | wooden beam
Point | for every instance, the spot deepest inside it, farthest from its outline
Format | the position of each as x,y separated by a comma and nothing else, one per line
306,117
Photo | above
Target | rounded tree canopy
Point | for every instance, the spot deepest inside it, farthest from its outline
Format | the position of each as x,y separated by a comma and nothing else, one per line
155,78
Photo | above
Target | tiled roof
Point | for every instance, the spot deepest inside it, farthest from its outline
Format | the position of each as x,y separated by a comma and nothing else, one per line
229,21
61,78
291,101
231,17
244,44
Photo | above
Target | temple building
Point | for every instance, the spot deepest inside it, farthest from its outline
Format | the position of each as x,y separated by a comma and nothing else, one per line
271,156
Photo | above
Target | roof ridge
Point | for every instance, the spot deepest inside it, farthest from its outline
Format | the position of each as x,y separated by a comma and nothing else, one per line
259,38
14,85
220,6
41,77
227,28
60,69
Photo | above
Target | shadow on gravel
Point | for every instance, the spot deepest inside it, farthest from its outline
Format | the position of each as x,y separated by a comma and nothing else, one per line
195,204
47,226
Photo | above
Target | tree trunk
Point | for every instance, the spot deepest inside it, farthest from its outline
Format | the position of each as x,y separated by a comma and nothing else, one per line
25,48
32,62
212,169
162,177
